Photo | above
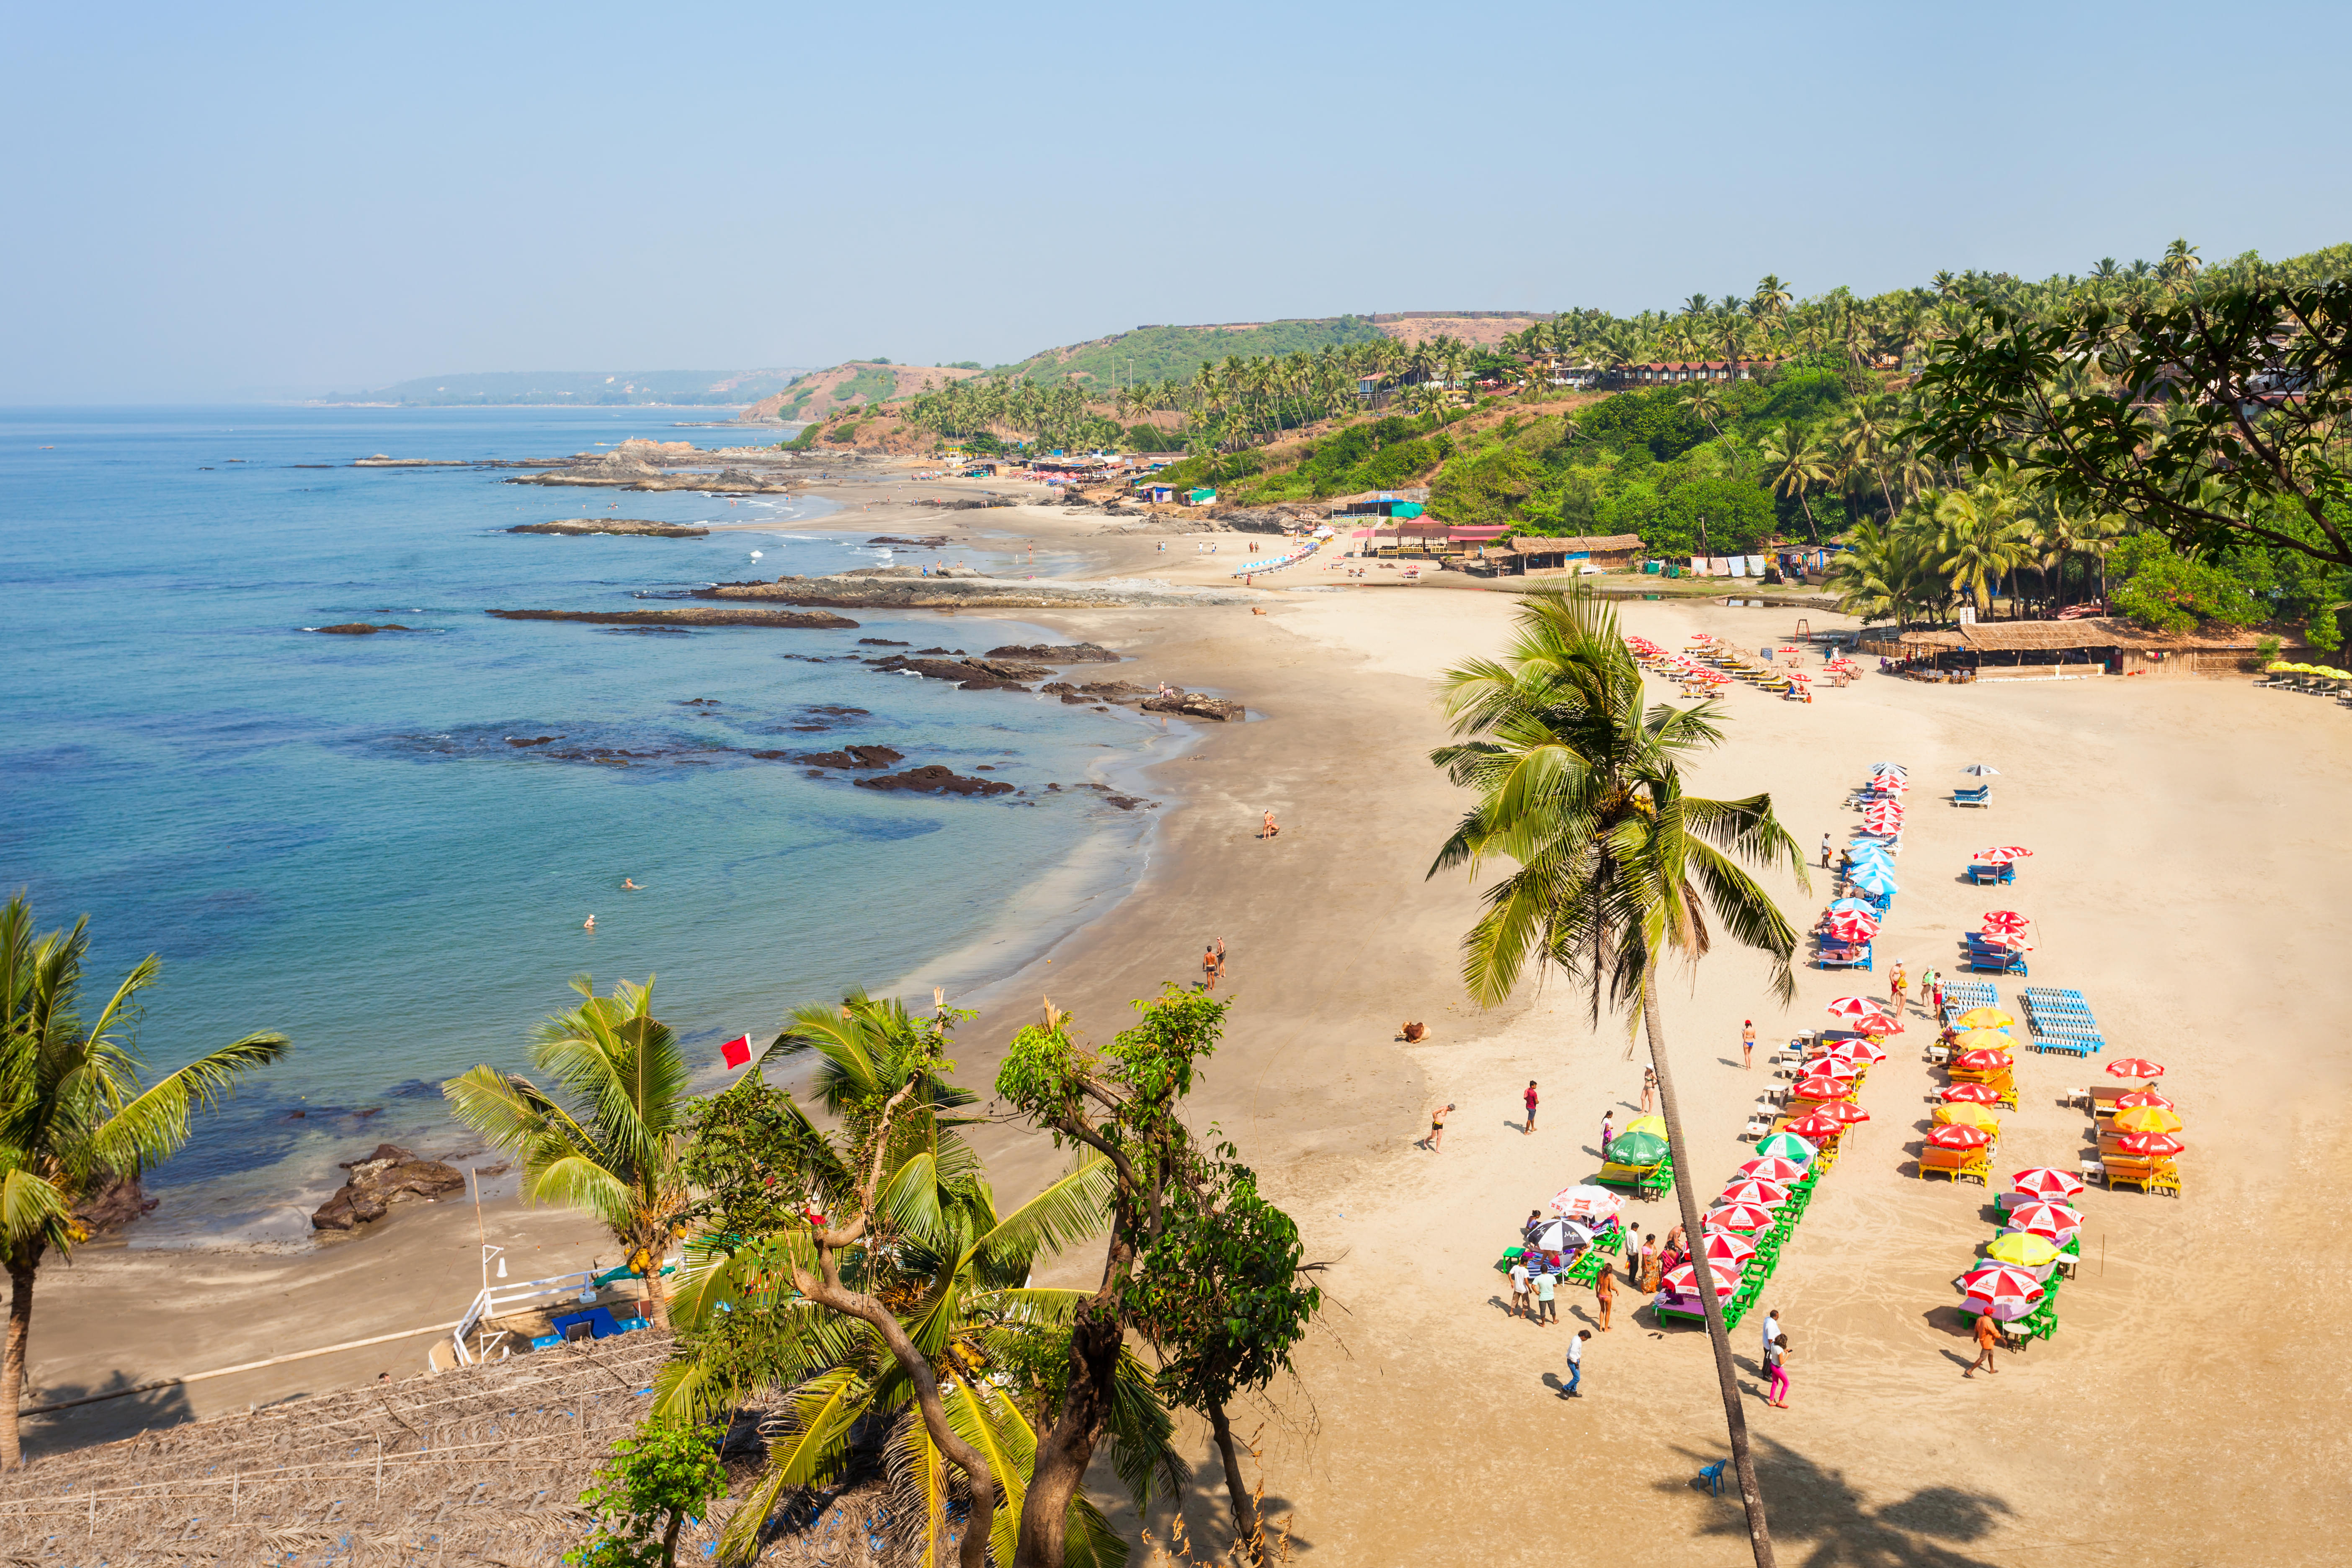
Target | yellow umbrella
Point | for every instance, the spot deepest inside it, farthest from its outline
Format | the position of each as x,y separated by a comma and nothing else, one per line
1967,1115
1986,1040
1656,1124
1984,1018
2022,1248
2147,1119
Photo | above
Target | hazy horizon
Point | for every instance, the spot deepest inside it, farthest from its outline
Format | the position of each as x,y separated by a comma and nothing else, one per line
253,201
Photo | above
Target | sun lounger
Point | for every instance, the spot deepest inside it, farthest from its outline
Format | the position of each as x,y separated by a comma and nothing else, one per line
1958,1165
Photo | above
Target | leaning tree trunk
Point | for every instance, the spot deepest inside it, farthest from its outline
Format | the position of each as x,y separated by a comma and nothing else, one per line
1068,1448
1247,1540
1735,1414
21,1275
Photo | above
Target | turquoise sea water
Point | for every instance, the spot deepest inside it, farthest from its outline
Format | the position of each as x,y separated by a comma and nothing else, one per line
328,835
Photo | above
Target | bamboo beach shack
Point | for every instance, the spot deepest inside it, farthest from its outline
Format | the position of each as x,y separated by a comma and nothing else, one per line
2071,650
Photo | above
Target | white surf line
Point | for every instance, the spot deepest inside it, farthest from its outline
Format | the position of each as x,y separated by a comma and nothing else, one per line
243,1366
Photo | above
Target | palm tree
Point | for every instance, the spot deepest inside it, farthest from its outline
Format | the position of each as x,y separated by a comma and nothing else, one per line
1617,866
1797,465
955,1273
1981,539
73,1117
617,1157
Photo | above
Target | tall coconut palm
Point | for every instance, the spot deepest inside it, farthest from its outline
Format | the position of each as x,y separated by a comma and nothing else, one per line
74,1118
1617,868
615,1156
1796,466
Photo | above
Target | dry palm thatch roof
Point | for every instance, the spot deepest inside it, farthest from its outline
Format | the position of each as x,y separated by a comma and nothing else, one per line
480,1466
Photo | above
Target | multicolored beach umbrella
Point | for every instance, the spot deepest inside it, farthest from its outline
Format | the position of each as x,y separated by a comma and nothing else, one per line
1997,1291
1768,1194
2054,1221
2046,1182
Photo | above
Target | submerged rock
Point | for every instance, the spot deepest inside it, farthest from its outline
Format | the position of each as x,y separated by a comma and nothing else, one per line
389,1175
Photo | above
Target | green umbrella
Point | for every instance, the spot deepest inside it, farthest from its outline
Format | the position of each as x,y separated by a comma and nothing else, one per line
1638,1149
1789,1146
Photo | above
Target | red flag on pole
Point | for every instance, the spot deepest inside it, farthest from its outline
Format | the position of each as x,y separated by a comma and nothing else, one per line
737,1052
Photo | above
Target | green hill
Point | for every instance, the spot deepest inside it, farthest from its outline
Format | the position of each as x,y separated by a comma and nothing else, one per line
1160,353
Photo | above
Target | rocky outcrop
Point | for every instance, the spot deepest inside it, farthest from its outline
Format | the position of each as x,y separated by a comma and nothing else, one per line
786,618
959,588
389,1175
934,779
1057,653
639,526
113,1204
1194,705
360,629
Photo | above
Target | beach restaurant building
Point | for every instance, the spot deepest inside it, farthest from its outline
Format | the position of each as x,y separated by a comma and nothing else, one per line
2050,650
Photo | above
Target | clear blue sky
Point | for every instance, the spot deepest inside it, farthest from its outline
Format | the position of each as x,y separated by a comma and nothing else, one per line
207,201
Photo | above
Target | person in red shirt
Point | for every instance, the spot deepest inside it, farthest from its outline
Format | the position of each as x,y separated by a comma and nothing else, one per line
1530,1097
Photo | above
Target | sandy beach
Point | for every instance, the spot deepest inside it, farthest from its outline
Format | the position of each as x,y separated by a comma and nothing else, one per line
2189,877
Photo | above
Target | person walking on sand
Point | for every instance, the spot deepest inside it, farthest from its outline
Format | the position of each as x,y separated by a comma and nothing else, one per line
1270,829
1776,1362
1576,1364
1530,1099
1436,1129
1748,1044
1988,1341
1604,1292
1519,1306
1648,1088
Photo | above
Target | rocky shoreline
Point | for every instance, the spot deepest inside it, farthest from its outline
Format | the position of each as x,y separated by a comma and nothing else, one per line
638,526
788,620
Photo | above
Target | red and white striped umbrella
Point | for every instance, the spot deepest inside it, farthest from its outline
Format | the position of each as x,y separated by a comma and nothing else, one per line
1971,1094
2004,922
2046,1182
2140,1097
1772,1168
1742,1217
2055,1221
1846,1110
2155,1145
2001,855
1815,1126
2135,1067
1683,1280
1958,1135
1728,1248
1768,1194
1848,926
2000,1292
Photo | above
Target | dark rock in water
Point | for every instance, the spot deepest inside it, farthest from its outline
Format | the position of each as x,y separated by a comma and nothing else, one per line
360,629
882,642
1194,705
852,757
934,779
113,1204
822,620
1057,653
531,740
389,1175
